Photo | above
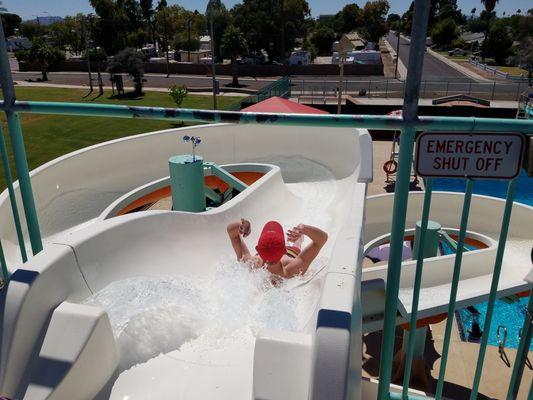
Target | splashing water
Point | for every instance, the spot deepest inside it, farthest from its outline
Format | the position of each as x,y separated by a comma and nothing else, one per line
156,315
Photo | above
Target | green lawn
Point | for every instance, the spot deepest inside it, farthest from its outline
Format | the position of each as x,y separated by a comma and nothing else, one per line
454,58
49,136
512,70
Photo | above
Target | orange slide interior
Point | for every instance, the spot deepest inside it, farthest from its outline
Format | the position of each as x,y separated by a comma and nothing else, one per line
210,181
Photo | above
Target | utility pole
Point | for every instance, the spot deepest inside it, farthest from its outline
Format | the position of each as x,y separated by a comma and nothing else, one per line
342,55
86,36
213,61
397,54
189,23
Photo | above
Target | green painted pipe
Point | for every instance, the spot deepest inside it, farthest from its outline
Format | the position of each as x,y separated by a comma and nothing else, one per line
187,183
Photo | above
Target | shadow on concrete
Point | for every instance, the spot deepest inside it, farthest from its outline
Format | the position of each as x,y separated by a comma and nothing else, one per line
371,356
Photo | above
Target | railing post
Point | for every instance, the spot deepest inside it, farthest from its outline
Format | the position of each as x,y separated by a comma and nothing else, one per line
387,89
12,197
416,288
494,286
493,89
521,353
401,194
19,152
454,287
518,91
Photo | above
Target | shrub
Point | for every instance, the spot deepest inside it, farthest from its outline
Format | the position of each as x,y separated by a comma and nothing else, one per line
178,93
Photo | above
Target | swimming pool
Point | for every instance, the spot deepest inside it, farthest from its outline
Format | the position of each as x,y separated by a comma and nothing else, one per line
508,314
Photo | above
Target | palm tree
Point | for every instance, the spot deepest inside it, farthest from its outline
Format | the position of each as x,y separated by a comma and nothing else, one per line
489,5
42,54
473,11
2,9
233,45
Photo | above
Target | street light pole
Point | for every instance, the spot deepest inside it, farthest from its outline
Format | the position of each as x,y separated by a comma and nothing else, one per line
213,61
397,54
189,22
86,35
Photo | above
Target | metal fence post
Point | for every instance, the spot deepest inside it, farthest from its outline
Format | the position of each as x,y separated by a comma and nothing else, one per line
387,88
447,86
401,193
494,286
19,152
518,91
493,89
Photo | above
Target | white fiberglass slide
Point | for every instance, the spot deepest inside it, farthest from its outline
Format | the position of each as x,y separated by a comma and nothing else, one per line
161,306
484,225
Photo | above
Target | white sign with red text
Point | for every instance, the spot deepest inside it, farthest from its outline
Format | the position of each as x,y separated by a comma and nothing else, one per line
469,155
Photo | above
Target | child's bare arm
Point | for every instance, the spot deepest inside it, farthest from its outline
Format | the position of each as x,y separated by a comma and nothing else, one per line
301,263
235,230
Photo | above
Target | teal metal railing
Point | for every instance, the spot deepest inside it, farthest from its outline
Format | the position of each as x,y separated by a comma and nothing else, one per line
409,124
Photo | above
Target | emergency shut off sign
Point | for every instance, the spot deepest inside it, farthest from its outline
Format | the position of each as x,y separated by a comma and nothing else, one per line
469,155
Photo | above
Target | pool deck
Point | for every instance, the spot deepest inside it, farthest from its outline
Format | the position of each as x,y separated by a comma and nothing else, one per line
462,359
382,150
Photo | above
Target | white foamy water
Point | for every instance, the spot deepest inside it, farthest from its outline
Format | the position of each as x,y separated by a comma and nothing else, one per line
156,315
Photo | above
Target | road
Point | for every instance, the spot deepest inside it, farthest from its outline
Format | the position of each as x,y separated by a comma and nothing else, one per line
152,80
433,67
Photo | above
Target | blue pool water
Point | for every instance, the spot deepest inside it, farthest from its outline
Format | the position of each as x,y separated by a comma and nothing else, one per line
509,315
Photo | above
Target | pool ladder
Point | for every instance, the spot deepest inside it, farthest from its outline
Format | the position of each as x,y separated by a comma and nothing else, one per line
501,339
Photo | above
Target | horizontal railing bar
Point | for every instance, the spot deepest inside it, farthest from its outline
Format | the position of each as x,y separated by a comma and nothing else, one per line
398,396
333,120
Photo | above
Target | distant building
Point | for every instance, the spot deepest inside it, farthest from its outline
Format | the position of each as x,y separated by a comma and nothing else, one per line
16,43
351,42
196,57
205,42
473,37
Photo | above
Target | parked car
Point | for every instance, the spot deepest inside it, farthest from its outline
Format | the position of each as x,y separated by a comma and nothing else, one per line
457,52
300,57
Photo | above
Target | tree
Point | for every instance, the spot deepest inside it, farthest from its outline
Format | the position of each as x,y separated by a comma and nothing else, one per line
393,20
374,24
489,5
349,18
472,12
148,13
216,10
182,42
498,43
444,33
526,55
112,25
322,39
233,45
272,25
40,52
130,62
10,23
2,9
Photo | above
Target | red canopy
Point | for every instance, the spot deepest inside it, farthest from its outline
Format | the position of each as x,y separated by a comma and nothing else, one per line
281,105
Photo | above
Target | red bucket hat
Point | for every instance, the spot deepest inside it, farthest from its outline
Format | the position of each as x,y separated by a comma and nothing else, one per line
271,243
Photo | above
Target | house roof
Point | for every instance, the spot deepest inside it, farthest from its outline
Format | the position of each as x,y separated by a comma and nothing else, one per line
281,105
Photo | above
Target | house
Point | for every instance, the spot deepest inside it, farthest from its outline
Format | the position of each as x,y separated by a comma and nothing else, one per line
351,41
196,57
473,37
205,42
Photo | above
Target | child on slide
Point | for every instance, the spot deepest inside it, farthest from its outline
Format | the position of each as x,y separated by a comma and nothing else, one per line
272,253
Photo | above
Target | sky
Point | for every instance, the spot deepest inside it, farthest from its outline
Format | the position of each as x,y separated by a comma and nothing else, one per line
29,9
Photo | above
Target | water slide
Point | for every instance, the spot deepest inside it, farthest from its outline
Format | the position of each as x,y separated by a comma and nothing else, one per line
484,224
153,304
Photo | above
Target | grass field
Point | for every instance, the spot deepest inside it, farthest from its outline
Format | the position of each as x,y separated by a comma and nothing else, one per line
49,136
